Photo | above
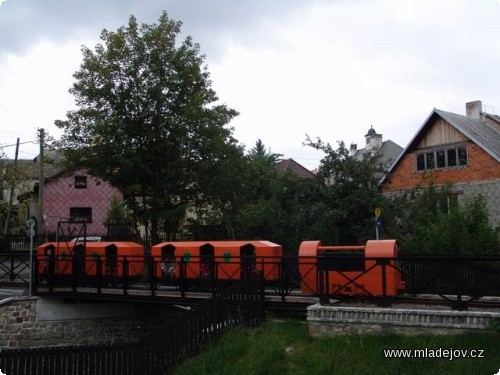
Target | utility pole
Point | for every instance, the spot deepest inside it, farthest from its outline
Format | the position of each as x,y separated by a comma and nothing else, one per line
11,196
41,223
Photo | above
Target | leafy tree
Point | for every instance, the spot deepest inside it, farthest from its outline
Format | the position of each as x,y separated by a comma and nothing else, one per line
119,220
13,181
243,182
350,198
275,206
431,220
148,121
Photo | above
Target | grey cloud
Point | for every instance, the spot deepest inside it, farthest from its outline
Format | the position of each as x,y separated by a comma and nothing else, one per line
24,22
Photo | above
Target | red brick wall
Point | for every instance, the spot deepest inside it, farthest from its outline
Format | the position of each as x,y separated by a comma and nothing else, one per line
60,194
481,167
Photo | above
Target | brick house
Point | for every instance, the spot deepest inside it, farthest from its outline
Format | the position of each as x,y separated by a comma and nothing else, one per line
456,149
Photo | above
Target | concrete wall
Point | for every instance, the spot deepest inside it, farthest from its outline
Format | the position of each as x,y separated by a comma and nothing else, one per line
338,320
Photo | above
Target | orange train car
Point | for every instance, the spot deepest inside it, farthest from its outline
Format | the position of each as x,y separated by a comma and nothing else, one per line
352,270
113,256
80,258
59,254
225,260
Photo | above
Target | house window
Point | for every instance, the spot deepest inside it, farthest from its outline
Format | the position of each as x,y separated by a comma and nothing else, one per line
420,162
448,203
429,160
80,214
80,182
442,158
452,157
462,156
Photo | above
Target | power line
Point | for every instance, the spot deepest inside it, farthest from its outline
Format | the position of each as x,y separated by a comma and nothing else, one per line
21,143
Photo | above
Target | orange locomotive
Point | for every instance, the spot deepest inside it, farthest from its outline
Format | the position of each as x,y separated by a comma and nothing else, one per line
350,270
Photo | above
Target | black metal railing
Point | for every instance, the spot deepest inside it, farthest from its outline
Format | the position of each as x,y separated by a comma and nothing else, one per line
241,303
15,268
382,280
12,244
148,272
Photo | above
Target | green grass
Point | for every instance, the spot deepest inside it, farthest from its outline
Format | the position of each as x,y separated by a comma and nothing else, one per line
264,351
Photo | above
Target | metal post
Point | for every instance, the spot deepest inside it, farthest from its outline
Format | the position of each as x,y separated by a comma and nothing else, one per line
182,277
31,233
383,301
215,278
12,275
99,274
321,275
283,280
125,275
41,217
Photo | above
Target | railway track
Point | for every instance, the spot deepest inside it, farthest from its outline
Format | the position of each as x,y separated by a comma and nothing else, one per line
436,300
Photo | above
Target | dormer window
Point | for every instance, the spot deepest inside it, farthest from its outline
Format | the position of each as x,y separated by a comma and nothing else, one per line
448,157
80,182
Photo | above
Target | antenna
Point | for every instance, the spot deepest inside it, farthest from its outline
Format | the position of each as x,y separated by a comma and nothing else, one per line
489,109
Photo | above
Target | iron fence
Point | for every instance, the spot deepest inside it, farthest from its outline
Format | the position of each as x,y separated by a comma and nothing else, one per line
458,279
240,303
15,268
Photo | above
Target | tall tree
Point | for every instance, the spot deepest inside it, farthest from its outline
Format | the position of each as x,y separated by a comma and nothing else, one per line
148,120
346,215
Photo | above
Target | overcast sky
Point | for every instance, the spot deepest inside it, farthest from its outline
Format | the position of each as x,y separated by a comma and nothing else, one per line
329,68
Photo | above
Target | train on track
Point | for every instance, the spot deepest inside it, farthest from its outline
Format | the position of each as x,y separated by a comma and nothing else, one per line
369,270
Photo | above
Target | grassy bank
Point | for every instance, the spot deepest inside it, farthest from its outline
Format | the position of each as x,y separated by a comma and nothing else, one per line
284,347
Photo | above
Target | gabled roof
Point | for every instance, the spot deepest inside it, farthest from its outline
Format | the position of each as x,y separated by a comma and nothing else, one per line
32,169
485,135
291,165
52,165
387,154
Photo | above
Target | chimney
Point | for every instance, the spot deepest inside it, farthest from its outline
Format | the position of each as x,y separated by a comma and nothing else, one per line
354,149
474,109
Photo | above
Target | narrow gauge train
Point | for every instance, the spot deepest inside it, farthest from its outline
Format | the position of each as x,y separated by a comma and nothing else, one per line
344,270
65,261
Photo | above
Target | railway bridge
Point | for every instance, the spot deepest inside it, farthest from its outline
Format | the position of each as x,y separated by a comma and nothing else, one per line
291,281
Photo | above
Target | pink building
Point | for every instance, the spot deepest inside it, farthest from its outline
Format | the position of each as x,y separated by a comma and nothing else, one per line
77,197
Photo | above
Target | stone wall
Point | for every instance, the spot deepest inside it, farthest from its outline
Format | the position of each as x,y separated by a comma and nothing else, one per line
20,325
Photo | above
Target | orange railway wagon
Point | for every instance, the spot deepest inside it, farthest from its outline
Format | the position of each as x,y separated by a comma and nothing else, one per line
80,258
352,270
169,255
240,259
59,254
225,260
113,256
